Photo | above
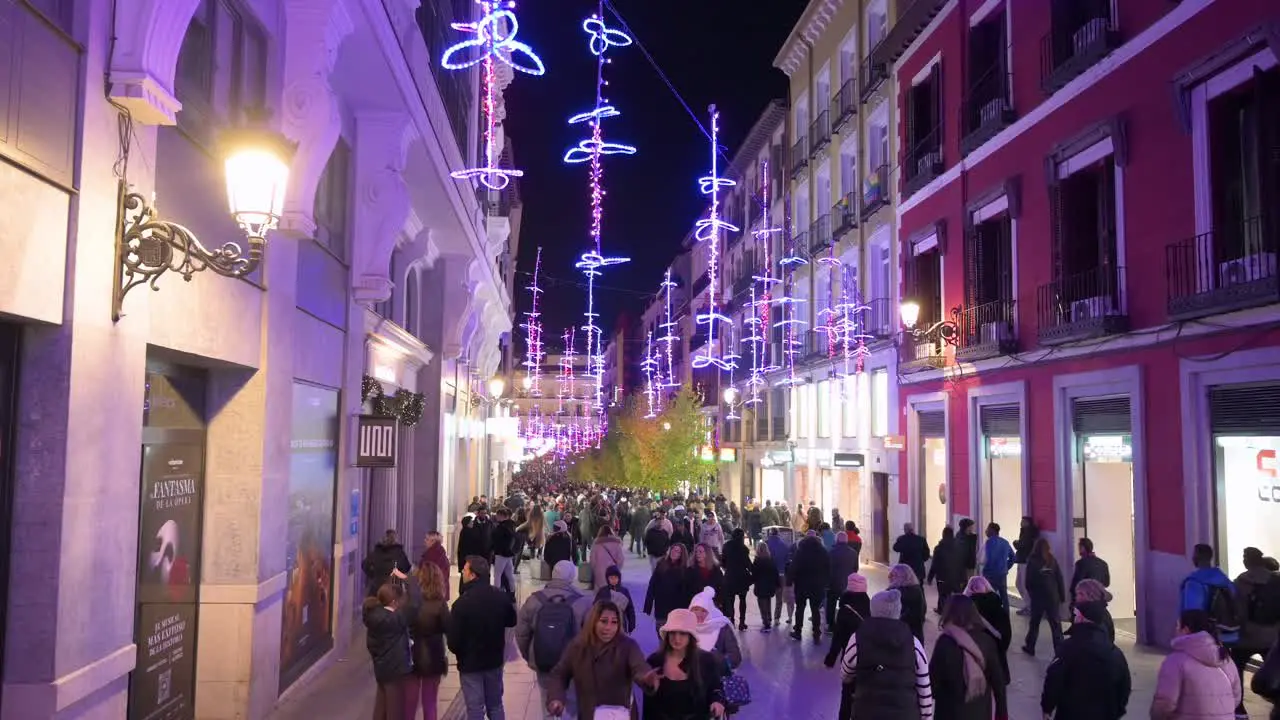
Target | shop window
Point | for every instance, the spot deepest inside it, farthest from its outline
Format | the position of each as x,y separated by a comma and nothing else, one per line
333,195
1245,424
880,402
924,107
824,408
1102,494
849,406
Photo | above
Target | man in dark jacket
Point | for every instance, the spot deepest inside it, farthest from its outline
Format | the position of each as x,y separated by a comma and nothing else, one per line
386,556
1089,679
844,562
912,550
810,573
967,539
559,545
1028,533
503,542
478,641
1089,567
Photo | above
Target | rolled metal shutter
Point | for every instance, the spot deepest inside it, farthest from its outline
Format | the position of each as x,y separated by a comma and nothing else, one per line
1001,420
933,424
1252,409
1103,415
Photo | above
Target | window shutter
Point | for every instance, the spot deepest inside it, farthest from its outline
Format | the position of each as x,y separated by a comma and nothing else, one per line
933,424
972,263
1251,409
1059,229
1101,415
1266,92
909,147
1107,215
935,115
1001,420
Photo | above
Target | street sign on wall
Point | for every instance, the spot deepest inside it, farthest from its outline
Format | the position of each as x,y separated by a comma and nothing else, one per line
376,441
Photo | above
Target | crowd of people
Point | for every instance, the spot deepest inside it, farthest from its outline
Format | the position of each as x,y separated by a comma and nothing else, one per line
707,558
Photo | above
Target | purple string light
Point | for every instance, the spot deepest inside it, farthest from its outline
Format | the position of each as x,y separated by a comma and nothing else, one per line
669,337
533,333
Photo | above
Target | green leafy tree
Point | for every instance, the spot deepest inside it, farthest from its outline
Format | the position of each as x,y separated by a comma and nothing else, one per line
680,430
656,454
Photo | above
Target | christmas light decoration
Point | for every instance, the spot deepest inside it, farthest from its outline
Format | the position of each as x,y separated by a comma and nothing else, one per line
533,334
669,337
494,41
707,231
649,367
761,323
591,150
791,323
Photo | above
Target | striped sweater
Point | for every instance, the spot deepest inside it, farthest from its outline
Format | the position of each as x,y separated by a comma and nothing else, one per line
924,693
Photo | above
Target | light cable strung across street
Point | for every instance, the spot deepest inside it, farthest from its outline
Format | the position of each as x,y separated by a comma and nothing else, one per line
707,231
591,150
494,41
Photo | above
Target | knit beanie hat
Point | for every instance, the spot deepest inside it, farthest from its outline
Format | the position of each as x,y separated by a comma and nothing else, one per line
857,583
564,570
705,599
887,604
560,526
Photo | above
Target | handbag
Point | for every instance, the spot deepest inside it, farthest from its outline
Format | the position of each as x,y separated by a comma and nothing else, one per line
737,691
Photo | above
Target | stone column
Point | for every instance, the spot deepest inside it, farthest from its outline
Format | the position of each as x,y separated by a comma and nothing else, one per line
383,508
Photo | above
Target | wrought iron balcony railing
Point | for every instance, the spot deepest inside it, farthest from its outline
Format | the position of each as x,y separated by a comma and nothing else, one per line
820,235
873,72
799,155
986,109
924,162
1224,270
820,132
844,106
1071,48
845,215
985,331
875,191
1080,306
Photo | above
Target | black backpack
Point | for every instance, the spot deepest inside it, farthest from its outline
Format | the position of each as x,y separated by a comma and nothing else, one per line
1264,602
553,628
1222,606
655,539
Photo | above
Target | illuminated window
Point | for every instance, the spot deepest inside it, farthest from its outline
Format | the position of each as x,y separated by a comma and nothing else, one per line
880,402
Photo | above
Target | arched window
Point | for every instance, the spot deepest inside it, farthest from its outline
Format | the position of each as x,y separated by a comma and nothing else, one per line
411,300
332,195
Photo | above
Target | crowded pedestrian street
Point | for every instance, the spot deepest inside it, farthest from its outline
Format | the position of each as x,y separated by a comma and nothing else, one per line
788,678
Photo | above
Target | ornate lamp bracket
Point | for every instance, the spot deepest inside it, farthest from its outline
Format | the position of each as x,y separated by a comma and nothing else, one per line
148,247
947,331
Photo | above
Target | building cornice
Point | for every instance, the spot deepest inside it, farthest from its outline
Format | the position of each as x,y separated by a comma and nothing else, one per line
403,343
759,135
812,23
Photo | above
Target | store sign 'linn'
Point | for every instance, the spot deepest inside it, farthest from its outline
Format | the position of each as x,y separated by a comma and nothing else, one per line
376,443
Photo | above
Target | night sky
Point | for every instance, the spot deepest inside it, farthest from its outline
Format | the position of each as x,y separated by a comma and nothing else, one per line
711,51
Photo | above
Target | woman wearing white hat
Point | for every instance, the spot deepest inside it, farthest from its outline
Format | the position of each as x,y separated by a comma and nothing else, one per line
690,679
715,631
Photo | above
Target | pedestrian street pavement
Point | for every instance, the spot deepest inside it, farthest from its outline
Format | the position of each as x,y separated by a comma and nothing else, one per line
788,678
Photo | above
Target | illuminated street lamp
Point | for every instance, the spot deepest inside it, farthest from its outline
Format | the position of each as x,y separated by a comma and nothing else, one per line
941,331
526,382
496,387
256,164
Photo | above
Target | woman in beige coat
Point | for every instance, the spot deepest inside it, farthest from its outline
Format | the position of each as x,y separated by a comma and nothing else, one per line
606,551
1197,680
602,662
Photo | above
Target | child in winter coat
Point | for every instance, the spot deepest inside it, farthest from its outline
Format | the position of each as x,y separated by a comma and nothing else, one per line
614,592
1197,680
764,572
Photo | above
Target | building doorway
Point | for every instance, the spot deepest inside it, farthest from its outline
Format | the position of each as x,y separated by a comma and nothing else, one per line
1245,425
880,517
1102,496
1000,486
933,474
170,519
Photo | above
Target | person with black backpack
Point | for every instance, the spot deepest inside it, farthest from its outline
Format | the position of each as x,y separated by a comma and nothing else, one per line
887,665
1207,588
548,621
1259,590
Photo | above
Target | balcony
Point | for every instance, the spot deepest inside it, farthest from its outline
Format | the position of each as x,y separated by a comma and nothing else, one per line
985,331
844,106
816,346
820,133
880,319
819,235
743,283
1081,306
845,216
920,354
913,17
1205,278
986,109
924,162
799,156
762,428
875,191
872,74
800,242
1069,48
778,428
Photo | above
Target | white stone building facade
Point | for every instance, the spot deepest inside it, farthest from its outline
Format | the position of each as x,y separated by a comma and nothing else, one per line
185,523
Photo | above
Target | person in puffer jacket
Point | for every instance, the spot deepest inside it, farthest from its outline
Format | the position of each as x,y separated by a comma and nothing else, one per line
1197,681
711,534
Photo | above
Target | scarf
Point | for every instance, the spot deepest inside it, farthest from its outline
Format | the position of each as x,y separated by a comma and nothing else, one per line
708,631
975,675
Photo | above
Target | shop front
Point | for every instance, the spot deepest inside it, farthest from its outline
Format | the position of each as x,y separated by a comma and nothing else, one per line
1245,424
932,515
1000,471
773,476
1102,492
848,469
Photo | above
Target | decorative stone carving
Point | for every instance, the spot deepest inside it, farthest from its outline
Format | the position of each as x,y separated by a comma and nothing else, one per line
310,114
458,308
382,201
147,37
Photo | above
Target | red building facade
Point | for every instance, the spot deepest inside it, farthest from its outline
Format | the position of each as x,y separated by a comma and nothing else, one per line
1090,219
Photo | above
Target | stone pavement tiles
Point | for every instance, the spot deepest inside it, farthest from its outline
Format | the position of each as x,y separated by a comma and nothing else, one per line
788,678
